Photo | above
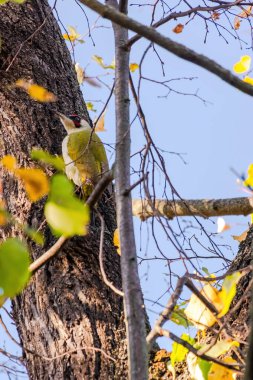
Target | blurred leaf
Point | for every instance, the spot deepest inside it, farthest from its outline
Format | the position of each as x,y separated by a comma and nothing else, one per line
198,313
36,92
101,63
178,28
79,73
35,235
220,348
243,65
228,291
47,158
198,367
72,35
241,237
222,225
249,180
14,267
237,23
90,107
179,352
248,80
4,215
215,16
133,67
100,125
64,212
218,372
246,12
35,182
116,240
178,316
9,163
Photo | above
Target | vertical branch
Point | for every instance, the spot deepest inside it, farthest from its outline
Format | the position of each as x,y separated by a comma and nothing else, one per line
133,300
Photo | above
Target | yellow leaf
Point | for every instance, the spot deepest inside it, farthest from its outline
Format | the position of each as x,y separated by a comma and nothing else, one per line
133,67
40,94
249,179
218,372
36,92
101,63
178,28
248,80
35,182
100,125
228,291
72,34
198,313
241,237
79,73
222,225
116,240
9,163
90,106
243,65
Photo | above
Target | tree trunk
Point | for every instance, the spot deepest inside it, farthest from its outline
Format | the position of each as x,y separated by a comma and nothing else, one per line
67,312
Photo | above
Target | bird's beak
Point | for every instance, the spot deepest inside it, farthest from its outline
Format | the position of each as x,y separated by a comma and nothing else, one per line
67,123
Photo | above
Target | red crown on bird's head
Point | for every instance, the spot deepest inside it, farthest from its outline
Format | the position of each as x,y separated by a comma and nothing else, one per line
76,120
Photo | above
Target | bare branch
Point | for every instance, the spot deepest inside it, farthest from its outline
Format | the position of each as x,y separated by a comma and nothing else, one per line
174,47
91,201
196,207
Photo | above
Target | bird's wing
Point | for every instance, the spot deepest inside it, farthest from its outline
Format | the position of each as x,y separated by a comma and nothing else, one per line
98,150
82,156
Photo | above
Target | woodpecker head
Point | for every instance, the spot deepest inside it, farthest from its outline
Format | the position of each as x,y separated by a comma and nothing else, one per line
72,122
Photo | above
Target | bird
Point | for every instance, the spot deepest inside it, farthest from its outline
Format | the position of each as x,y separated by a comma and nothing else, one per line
83,153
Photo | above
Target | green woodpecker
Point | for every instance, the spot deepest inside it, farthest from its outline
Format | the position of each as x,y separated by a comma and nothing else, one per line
83,153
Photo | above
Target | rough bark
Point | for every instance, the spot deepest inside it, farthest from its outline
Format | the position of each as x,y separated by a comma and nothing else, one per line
66,310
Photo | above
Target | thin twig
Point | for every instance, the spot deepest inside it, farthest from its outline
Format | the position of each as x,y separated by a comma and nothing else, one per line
101,244
174,47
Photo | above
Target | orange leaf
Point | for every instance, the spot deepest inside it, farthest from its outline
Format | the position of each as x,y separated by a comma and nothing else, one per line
178,29
100,125
215,16
241,237
237,23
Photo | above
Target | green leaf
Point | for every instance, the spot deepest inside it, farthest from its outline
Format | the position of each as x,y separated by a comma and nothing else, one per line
178,316
35,235
3,1
178,351
204,367
64,212
14,267
18,1
47,158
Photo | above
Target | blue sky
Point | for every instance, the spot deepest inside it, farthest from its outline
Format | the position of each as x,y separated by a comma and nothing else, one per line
213,137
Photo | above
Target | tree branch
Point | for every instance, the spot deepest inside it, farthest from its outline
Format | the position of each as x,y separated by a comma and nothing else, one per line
174,47
196,207
133,300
